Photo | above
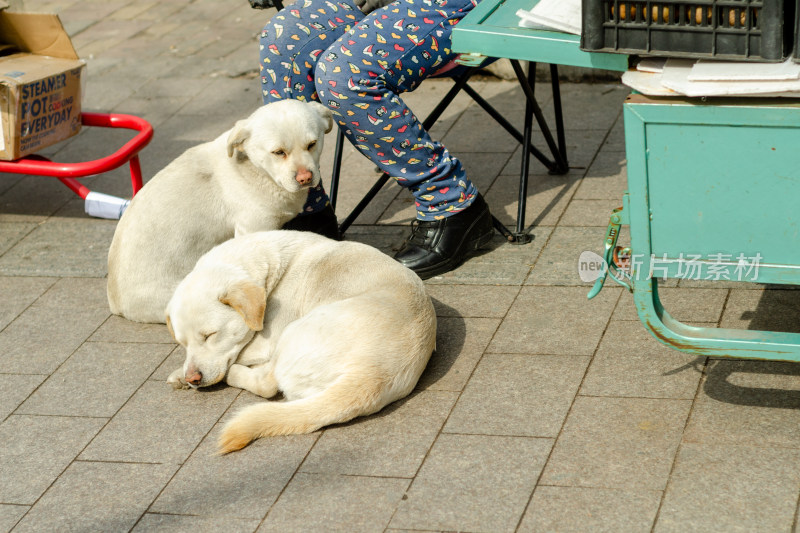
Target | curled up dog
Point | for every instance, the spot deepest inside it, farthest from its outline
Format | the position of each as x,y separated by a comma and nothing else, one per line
339,328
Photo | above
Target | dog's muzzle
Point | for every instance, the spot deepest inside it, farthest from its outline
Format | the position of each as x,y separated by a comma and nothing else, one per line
193,377
304,177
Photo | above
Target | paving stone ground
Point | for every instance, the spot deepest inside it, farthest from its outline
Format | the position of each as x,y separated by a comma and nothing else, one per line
540,410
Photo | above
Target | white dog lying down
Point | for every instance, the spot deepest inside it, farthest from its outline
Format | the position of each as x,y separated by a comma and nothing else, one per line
339,327
253,177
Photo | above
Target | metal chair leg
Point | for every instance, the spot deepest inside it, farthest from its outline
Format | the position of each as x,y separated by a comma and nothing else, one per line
337,168
363,203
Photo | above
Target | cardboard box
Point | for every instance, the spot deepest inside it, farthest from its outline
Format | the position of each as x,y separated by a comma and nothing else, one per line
40,84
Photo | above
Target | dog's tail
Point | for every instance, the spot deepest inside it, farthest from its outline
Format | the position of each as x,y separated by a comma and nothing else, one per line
345,399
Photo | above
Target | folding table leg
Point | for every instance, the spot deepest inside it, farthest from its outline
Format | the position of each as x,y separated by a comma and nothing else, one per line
527,88
556,89
535,152
520,236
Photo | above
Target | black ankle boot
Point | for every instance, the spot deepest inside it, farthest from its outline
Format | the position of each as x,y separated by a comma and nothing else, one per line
438,246
322,222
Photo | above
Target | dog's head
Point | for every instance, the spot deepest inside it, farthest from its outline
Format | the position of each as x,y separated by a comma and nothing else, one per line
284,139
214,315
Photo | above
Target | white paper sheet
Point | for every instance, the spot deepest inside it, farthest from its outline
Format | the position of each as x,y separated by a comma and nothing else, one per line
705,70
676,77
526,22
562,15
648,83
651,64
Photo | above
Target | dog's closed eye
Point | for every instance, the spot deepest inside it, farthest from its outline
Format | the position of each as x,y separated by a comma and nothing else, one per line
311,145
207,336
279,152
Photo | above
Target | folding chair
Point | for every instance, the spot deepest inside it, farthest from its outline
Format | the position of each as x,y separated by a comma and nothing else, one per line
557,147
557,165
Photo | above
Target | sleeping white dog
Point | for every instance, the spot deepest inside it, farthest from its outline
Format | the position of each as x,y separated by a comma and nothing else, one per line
253,177
339,328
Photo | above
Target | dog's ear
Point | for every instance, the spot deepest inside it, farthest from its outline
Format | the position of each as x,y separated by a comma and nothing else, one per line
326,115
238,135
169,327
250,301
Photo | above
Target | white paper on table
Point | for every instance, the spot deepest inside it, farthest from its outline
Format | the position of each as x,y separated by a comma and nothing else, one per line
528,23
563,15
705,70
651,64
676,77
648,83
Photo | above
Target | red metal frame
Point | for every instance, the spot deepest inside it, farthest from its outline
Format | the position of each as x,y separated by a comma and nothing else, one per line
68,172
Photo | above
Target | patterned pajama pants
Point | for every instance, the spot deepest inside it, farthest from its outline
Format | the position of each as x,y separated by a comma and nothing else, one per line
357,65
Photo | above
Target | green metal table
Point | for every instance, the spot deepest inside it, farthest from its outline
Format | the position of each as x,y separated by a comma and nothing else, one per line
713,190
491,30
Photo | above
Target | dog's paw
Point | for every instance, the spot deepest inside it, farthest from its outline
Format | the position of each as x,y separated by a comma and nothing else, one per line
238,376
258,380
176,380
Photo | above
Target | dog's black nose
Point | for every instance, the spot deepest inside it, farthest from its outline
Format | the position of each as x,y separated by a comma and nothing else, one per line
194,379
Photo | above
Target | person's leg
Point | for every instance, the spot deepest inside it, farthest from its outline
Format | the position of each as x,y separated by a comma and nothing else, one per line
290,45
292,42
391,51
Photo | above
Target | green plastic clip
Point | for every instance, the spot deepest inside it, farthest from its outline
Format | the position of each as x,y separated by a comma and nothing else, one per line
618,216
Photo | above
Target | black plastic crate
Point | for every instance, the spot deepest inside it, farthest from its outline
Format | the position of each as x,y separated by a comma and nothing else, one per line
750,30
796,52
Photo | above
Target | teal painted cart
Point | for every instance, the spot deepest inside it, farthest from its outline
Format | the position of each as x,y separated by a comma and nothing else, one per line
713,187
713,194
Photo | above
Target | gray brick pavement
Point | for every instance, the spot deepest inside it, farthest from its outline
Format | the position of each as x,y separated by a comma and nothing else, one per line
539,411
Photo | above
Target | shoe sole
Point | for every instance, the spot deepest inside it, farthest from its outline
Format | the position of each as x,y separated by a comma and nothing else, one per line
465,250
